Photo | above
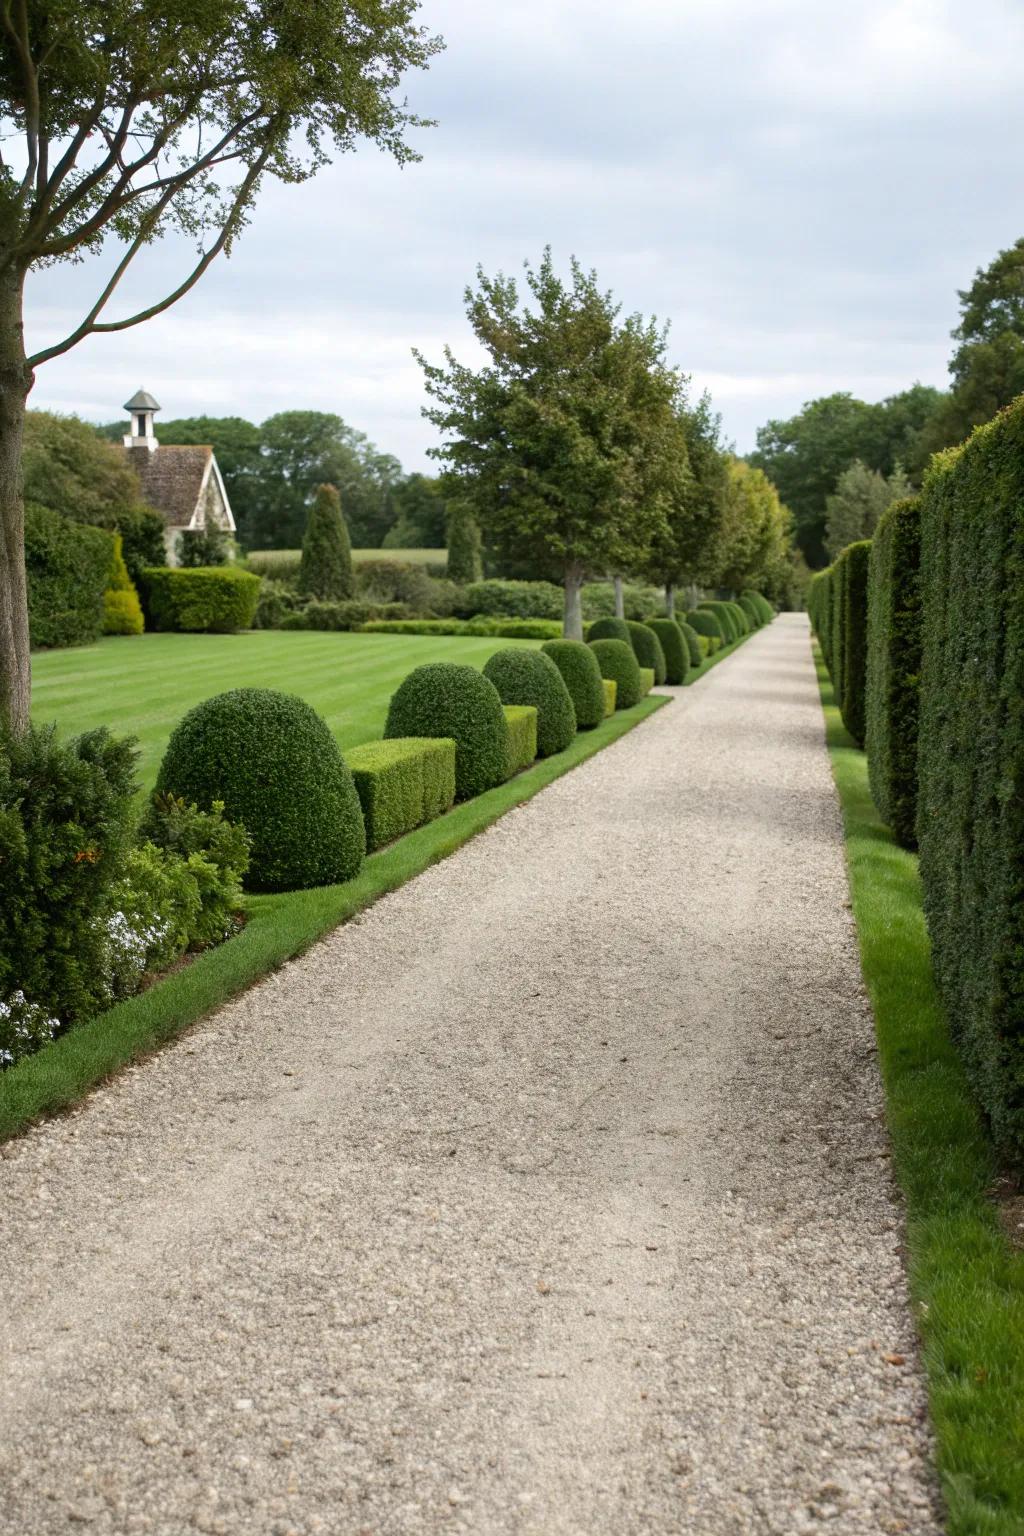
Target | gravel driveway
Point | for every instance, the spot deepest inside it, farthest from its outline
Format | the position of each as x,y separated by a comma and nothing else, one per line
550,1196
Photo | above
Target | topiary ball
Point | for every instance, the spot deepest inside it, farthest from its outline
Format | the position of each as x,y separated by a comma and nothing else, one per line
648,648
530,677
692,641
582,676
444,698
618,663
609,629
273,762
674,649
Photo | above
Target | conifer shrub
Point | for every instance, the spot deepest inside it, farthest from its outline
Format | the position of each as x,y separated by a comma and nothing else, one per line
122,611
67,567
530,677
647,648
819,609
894,666
521,737
970,820
457,702
692,641
325,569
273,764
703,622
610,629
582,677
215,852
210,599
618,663
465,562
674,649
610,691
401,784
855,560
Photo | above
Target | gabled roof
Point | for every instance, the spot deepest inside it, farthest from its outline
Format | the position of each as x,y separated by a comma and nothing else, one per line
172,478
141,401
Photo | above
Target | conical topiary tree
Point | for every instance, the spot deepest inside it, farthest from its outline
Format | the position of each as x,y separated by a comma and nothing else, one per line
325,570
464,561
122,611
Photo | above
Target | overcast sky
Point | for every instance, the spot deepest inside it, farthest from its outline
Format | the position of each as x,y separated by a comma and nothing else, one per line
800,188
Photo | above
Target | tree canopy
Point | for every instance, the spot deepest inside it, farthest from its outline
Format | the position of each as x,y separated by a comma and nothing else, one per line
857,503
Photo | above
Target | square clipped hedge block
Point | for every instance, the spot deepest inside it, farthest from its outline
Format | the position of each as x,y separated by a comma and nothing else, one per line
521,721
647,675
611,688
215,599
402,783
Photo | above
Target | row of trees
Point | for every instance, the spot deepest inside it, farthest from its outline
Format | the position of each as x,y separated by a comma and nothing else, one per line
823,459
577,449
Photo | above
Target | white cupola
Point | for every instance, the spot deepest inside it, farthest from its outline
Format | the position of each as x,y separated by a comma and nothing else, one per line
140,408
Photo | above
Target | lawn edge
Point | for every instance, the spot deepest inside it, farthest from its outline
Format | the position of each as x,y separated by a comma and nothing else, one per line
279,928
966,1281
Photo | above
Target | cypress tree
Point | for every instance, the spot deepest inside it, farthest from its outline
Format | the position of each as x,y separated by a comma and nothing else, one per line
464,561
325,570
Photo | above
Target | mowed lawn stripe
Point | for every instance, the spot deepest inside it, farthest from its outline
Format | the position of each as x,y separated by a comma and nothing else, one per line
142,685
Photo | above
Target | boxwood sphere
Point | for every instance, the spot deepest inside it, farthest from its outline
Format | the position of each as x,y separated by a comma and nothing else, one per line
529,677
692,642
444,698
674,648
582,676
273,761
706,623
618,662
647,647
609,629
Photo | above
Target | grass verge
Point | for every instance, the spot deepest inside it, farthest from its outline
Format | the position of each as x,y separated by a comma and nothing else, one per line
278,928
966,1279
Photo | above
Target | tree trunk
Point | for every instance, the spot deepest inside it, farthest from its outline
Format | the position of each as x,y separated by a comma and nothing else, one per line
15,383
620,602
692,597
670,599
572,622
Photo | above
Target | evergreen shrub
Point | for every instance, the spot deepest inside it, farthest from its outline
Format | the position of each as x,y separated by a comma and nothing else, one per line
894,666
852,636
647,676
764,608
338,616
67,566
521,737
465,563
647,648
610,629
529,677
210,599
273,764
122,611
742,619
457,702
325,567
692,641
751,610
618,663
401,784
510,600
703,622
610,692
216,852
582,677
726,618
500,629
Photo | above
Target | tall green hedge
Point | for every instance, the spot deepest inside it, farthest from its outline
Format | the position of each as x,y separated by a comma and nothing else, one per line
970,821
853,566
215,599
325,569
819,607
764,608
894,666
692,642
67,565
726,619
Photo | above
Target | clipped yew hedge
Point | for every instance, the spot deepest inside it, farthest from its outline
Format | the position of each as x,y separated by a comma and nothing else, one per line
674,649
529,677
894,666
582,677
213,599
852,638
401,784
448,699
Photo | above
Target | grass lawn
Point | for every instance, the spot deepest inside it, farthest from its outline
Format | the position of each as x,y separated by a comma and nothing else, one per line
967,1281
141,685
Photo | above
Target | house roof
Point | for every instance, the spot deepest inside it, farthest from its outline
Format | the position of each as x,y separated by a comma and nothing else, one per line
172,478
141,401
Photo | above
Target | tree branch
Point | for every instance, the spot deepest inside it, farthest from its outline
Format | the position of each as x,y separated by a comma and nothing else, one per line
19,35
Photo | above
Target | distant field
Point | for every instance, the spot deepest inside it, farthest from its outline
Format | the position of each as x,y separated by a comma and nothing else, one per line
404,556
142,685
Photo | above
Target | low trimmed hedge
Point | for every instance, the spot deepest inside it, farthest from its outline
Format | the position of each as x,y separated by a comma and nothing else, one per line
674,648
582,677
610,629
648,649
894,666
647,679
521,737
273,762
500,629
447,699
610,691
339,616
618,663
709,625
693,643
530,677
401,784
205,600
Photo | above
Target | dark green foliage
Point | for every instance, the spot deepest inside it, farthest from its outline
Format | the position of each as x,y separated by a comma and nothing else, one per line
751,610
337,616
521,739
853,565
894,666
325,570
219,600
217,851
198,547
674,649
68,565
970,822
691,641
402,784
465,564
763,607
742,622
273,763
399,581
619,665
446,699
703,622
818,608
582,677
65,831
530,677
502,629
610,629
510,600
648,649
726,619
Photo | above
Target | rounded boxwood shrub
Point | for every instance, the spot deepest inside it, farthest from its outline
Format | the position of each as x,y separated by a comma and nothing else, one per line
272,761
648,648
704,622
674,648
742,618
618,663
726,620
530,677
582,676
610,629
692,642
752,612
444,698
764,608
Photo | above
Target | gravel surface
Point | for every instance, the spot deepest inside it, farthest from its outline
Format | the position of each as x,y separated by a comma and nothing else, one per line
550,1196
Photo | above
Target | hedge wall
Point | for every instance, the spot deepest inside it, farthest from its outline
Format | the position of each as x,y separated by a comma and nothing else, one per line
401,784
894,666
853,634
214,599
67,565
970,821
